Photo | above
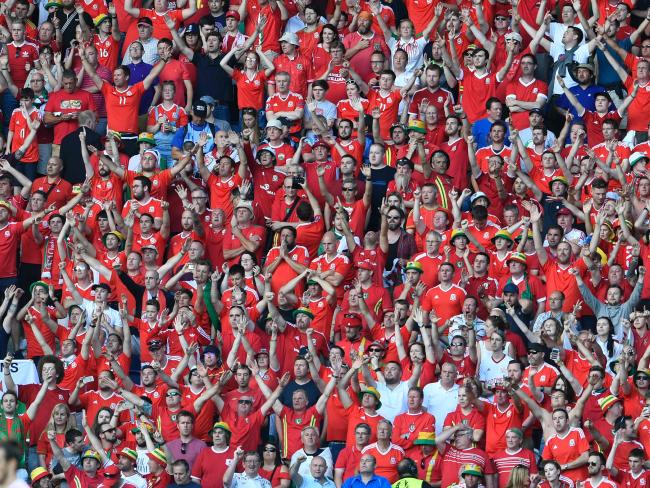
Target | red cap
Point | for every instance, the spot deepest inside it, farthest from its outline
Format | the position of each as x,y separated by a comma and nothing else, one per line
365,264
351,320
234,14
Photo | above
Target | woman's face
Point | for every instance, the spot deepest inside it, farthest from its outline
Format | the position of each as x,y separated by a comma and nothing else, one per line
550,328
248,120
551,472
247,262
328,35
602,327
251,61
406,30
351,91
394,201
60,416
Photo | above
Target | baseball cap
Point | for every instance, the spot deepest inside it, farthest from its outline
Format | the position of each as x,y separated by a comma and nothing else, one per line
192,29
291,38
511,288
275,123
200,109
234,14
145,20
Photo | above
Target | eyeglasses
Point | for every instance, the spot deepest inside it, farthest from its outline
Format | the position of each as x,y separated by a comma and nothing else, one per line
173,394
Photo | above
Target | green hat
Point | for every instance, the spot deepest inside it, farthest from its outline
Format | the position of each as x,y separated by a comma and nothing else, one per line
474,469
53,3
92,455
425,439
222,426
417,125
100,18
415,266
373,391
147,137
158,455
503,234
456,233
561,179
38,283
130,453
116,233
304,310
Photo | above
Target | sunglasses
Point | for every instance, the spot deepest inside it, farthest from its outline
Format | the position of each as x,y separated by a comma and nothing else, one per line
270,449
109,430
641,377
245,402
173,394
591,463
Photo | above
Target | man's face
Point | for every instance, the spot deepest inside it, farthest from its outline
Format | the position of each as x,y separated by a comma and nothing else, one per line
108,433
564,252
185,426
144,31
583,75
479,58
9,404
497,133
299,400
559,420
282,83
386,81
553,236
18,32
594,465
181,475
432,78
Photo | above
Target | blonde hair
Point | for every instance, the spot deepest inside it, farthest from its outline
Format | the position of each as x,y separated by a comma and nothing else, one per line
518,477
71,424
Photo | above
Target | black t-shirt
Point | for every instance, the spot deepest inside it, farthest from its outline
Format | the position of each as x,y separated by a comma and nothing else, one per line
380,179
211,79
313,393
74,170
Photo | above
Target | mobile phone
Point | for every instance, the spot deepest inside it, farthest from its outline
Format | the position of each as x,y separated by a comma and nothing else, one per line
87,379
555,354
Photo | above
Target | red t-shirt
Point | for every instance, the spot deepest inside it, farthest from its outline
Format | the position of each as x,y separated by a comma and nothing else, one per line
67,103
122,107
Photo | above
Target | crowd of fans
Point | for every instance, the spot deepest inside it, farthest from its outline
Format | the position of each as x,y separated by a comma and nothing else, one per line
335,244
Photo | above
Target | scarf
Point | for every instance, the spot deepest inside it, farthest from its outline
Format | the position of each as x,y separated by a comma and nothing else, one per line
17,433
